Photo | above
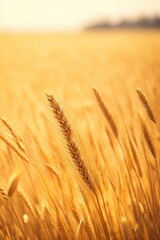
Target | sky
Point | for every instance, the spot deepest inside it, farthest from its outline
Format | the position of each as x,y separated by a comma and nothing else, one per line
69,14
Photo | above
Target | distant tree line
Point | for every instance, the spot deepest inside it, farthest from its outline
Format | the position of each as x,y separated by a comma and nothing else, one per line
143,22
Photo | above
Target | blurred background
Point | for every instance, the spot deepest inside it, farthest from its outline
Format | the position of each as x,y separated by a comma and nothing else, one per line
51,45
71,15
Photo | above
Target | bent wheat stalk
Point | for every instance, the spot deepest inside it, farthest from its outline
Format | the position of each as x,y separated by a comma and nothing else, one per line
80,229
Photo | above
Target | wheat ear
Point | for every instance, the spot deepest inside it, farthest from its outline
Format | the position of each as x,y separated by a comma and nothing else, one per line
136,158
135,209
88,228
51,170
148,138
106,112
72,147
125,228
15,149
146,105
25,199
14,134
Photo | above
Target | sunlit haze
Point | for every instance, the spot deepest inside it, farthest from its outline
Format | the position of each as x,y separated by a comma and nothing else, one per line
69,14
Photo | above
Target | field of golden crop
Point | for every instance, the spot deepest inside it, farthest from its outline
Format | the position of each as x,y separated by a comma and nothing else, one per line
80,136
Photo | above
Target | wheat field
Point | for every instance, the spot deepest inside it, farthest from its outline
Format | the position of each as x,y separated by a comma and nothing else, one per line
80,136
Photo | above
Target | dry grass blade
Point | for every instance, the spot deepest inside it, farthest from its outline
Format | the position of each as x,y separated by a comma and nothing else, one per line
13,184
80,230
146,105
73,149
106,113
